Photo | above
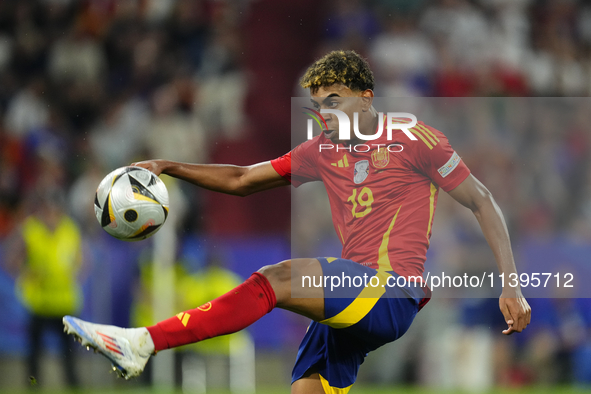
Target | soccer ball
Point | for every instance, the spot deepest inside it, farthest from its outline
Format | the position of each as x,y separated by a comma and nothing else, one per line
131,203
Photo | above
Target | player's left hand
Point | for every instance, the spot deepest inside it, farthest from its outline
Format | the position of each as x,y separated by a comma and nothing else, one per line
516,311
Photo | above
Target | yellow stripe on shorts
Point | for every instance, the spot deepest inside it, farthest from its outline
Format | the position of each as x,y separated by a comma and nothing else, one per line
369,296
328,389
360,306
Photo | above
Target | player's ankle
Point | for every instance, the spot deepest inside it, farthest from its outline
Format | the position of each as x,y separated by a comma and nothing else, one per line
142,341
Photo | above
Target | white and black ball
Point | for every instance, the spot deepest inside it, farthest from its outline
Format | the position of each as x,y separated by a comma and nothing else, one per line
131,203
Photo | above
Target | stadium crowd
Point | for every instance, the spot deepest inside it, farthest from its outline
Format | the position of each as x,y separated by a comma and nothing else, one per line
88,86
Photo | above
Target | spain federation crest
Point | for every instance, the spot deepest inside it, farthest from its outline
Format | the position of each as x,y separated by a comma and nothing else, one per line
380,157
361,171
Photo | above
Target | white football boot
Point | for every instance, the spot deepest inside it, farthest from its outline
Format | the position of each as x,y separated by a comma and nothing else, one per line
127,348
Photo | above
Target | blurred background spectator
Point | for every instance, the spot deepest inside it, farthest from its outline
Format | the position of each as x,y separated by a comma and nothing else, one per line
45,254
87,86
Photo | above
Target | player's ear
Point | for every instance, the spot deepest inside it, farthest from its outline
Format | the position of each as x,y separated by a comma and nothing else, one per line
366,99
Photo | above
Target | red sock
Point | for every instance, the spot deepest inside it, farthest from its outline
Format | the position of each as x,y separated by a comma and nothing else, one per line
231,312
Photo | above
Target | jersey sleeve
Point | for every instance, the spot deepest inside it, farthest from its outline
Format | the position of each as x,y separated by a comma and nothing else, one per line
434,157
299,165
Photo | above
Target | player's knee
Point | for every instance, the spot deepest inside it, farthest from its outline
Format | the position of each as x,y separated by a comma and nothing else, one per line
279,276
279,272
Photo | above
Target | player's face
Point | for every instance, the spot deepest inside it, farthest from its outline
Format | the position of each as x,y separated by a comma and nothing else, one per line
339,97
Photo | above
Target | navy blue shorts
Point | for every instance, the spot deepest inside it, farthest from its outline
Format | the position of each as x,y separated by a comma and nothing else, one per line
359,321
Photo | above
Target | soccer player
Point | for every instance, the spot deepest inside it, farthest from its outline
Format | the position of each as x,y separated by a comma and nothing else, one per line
382,207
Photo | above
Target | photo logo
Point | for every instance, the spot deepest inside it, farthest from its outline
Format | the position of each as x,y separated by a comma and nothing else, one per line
318,118
393,122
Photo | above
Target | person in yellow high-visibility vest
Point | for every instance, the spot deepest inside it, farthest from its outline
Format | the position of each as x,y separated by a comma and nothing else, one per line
46,253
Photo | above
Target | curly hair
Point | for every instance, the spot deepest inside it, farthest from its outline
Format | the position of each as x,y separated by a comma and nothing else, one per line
346,67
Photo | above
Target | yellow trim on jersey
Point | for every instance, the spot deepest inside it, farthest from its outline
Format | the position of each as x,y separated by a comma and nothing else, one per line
328,389
340,232
330,259
383,258
344,162
428,131
418,134
425,134
369,296
431,209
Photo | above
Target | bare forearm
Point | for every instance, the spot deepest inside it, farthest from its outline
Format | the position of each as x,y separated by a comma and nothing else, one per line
216,177
495,231
513,305
223,178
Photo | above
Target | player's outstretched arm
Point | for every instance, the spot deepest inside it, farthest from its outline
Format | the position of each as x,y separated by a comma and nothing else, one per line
474,195
224,178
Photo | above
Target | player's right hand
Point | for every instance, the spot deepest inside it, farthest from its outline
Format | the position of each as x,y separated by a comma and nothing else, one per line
156,166
516,311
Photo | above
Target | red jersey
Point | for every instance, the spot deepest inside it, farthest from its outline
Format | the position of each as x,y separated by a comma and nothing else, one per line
383,199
